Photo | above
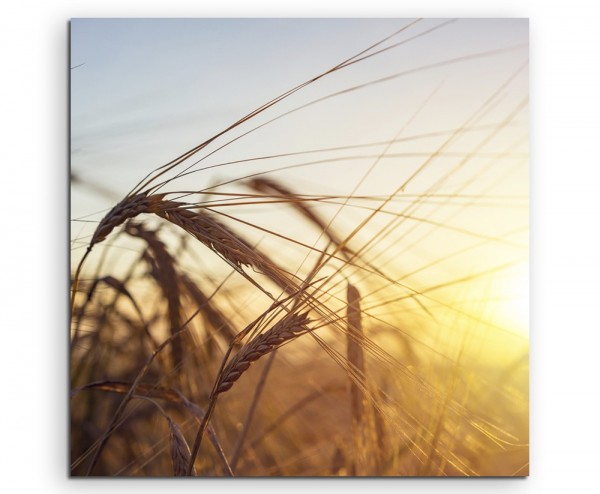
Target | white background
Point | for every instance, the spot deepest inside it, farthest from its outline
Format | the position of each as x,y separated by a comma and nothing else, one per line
565,250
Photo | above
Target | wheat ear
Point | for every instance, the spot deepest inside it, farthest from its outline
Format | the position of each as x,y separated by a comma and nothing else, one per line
180,451
290,327
366,424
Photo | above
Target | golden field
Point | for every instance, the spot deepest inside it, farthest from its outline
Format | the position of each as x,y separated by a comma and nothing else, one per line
332,283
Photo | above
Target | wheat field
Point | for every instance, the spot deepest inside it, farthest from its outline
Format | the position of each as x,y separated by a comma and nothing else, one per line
299,247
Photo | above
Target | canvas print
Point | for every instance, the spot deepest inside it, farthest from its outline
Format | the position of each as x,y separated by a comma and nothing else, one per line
299,248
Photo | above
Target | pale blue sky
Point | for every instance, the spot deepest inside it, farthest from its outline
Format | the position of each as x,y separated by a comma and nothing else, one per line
150,89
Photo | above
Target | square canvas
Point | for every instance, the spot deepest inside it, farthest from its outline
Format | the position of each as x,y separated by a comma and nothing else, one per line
299,247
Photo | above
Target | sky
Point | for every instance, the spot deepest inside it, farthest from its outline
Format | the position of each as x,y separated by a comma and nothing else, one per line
150,89
143,91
